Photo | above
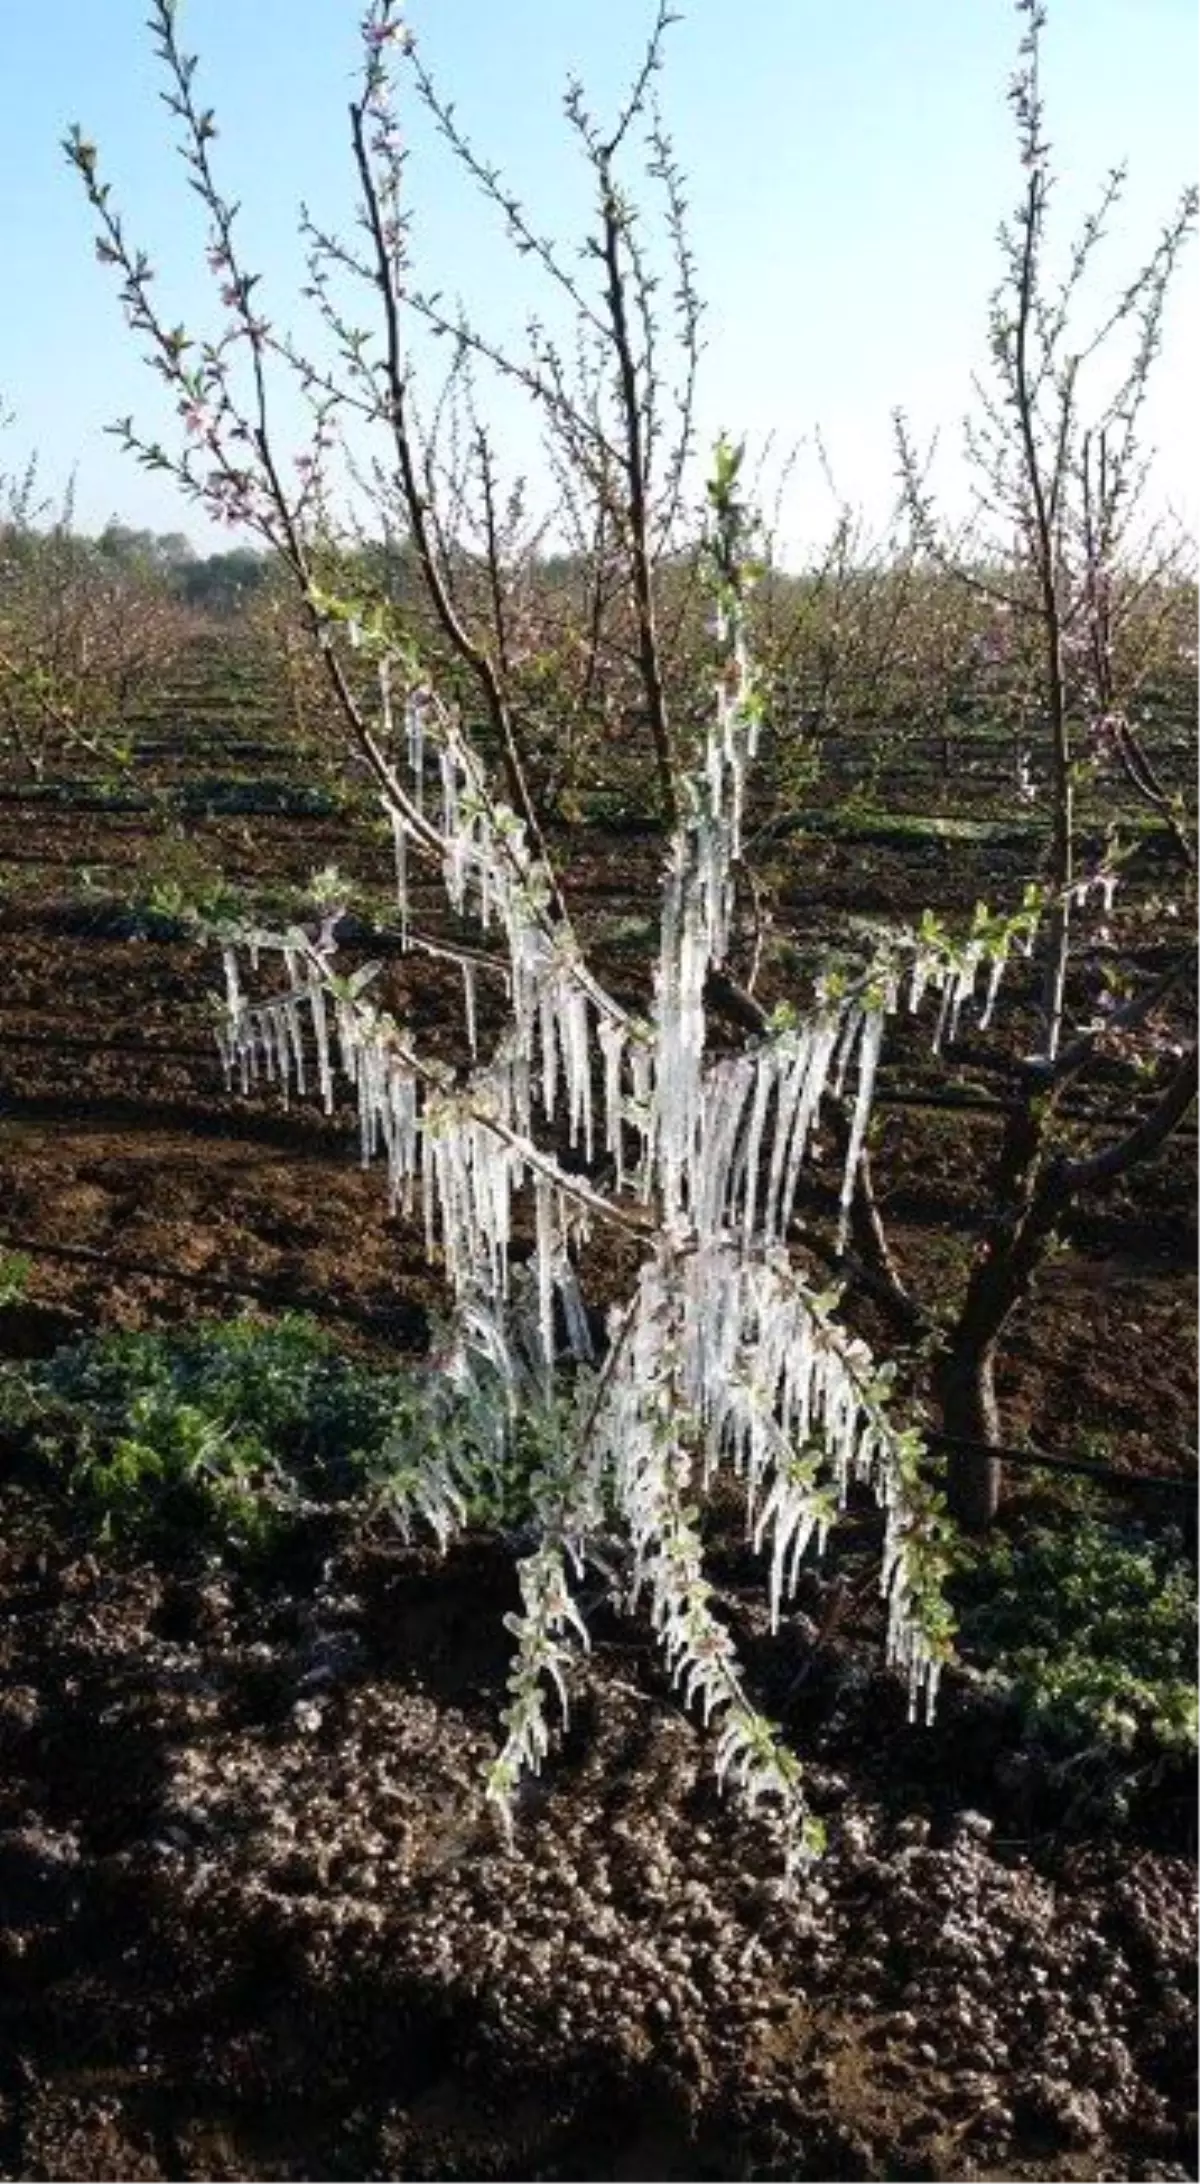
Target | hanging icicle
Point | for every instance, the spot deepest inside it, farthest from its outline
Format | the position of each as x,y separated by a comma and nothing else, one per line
870,1041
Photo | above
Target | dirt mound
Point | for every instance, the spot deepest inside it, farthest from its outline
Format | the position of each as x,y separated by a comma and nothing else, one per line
257,1921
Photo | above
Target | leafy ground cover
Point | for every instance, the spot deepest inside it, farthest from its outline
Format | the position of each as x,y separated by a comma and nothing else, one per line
255,1921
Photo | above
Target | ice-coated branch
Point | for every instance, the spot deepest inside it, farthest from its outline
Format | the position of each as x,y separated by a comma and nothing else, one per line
724,1358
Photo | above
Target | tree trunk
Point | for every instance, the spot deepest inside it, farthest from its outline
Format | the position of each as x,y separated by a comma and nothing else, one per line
966,1388
1028,1207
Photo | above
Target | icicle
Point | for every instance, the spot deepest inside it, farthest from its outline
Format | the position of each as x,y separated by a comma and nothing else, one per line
454,838
367,1078
297,1041
764,1084
415,722
790,1075
612,1046
843,1053
579,1334
549,1036
322,1040
266,1032
400,845
964,987
820,1050
468,979
577,1065
233,993
724,1102
641,1068
544,1214
870,1042
428,1183
996,971
922,971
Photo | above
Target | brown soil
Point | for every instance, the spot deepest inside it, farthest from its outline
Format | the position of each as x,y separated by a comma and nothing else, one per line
254,1920
257,1923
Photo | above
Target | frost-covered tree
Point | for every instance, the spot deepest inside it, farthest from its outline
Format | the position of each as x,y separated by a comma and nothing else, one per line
724,1356
1081,591
576,1113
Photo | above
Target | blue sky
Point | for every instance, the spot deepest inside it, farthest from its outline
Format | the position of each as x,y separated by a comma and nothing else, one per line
848,165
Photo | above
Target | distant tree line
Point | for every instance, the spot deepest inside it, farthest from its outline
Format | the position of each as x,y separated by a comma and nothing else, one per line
220,584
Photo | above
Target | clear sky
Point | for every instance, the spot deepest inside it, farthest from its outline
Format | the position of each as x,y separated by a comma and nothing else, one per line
848,160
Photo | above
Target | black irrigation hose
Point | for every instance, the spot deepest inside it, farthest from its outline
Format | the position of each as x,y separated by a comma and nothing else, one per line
968,1102
1107,1475
1022,1458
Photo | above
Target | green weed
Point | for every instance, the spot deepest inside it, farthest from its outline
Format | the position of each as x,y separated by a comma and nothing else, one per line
221,1432
15,1269
1090,1624
226,1433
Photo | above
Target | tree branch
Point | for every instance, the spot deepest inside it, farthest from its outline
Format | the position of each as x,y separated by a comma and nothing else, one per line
1144,1139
